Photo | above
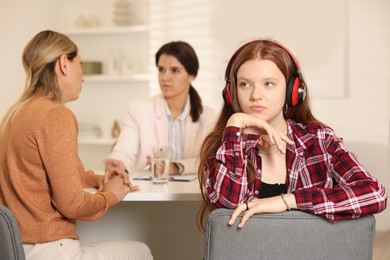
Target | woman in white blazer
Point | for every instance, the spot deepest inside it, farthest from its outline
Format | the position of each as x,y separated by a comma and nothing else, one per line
175,117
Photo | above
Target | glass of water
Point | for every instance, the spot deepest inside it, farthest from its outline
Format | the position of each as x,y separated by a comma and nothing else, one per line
160,164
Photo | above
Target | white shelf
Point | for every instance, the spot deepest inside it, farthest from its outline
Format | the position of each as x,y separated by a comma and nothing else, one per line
108,30
117,78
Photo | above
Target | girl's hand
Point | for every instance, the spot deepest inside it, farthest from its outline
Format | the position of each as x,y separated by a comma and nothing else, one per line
253,125
267,205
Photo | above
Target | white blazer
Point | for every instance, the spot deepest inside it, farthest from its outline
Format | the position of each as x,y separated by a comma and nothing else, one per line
146,125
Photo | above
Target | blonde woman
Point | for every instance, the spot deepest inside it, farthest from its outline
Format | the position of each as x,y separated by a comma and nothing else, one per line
41,175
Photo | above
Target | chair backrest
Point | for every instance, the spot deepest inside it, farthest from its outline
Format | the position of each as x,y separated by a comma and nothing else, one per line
292,235
11,247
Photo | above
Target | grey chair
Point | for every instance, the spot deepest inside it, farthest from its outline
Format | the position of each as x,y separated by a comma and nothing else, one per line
11,247
291,235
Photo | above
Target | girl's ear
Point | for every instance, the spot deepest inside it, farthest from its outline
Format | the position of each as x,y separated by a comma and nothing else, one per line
62,64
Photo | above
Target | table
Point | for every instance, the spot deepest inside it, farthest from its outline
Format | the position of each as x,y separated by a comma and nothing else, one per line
161,215
172,191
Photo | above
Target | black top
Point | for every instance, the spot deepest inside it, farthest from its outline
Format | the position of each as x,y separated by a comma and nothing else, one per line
270,190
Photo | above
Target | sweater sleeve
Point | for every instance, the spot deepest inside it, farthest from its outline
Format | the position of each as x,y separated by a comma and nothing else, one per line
90,179
57,141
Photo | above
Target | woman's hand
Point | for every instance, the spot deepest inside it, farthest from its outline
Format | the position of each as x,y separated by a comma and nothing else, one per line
267,205
253,125
117,187
148,163
173,168
116,167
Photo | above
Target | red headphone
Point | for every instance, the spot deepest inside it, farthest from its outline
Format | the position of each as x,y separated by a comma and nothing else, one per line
296,86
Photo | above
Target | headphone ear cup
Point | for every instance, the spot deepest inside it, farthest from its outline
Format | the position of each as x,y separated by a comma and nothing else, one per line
226,95
293,98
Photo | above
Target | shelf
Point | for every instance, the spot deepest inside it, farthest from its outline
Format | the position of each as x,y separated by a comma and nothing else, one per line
108,30
116,78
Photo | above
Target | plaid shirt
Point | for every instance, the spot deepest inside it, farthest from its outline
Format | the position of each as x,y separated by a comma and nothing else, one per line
325,177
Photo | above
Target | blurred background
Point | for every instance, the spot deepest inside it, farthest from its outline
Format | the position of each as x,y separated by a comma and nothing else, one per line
343,47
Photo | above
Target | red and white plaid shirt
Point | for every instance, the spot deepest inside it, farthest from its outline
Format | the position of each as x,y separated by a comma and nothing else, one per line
325,177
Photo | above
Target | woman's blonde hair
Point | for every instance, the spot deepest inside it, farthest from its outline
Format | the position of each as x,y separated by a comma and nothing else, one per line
39,59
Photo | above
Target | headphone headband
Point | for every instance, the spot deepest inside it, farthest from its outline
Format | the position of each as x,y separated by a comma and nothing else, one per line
235,54
296,87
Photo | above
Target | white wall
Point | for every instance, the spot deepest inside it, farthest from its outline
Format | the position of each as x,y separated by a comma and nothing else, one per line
20,20
361,117
342,45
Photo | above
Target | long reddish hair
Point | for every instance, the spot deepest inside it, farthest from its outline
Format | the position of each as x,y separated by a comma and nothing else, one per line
260,50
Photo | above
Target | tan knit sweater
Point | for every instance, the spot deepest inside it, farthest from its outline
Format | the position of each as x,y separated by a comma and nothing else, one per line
42,177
